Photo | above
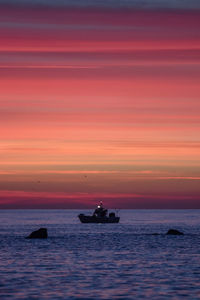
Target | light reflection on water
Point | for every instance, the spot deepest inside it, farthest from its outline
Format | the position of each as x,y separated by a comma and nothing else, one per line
107,261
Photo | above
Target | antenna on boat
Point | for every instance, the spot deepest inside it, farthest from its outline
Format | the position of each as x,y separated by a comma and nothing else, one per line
117,211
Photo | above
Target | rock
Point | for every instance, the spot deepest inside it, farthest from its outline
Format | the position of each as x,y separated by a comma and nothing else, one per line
38,234
174,232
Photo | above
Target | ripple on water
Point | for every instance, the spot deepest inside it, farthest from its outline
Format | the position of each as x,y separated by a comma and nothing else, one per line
100,262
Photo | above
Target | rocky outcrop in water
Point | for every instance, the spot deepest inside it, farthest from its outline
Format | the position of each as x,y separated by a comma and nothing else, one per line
38,234
174,232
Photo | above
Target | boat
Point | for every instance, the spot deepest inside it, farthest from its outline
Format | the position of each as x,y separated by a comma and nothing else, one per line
100,215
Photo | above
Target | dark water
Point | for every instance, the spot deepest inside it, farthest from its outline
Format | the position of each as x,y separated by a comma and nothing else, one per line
105,261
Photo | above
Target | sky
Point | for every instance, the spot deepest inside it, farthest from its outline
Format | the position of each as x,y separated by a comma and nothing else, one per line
100,100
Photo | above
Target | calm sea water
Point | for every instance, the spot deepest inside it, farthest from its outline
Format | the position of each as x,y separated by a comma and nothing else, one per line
100,261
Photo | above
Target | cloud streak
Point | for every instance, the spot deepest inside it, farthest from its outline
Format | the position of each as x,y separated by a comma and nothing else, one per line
99,99
144,4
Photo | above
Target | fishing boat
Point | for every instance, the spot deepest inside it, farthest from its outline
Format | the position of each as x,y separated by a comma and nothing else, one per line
100,215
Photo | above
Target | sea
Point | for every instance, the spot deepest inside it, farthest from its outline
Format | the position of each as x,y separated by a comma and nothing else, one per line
100,261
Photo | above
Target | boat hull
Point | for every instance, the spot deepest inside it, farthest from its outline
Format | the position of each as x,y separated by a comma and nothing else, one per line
97,220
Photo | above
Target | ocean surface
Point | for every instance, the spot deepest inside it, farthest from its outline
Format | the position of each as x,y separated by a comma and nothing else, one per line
100,261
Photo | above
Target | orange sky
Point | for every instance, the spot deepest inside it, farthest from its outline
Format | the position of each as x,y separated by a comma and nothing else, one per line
99,103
